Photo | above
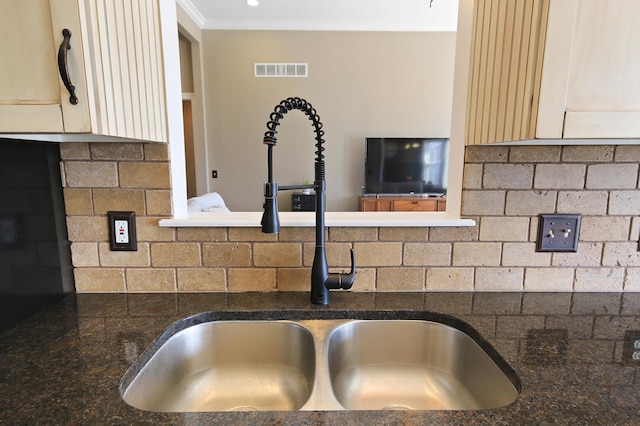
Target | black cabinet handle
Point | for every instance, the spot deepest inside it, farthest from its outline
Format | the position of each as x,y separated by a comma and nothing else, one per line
62,66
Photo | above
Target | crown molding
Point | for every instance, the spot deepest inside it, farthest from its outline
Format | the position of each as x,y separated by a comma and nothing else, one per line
299,25
193,12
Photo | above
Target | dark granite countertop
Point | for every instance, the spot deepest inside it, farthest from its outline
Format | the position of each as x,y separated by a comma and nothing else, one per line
573,353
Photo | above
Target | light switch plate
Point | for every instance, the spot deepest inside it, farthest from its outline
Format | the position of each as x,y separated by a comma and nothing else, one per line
122,231
558,232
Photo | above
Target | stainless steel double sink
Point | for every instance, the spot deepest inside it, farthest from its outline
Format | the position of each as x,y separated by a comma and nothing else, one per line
319,364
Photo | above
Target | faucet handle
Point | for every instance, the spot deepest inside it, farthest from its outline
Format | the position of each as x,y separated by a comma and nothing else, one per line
343,280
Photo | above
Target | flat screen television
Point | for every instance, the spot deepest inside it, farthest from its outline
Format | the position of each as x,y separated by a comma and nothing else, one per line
406,166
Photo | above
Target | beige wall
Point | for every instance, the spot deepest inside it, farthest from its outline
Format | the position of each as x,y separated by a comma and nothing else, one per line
505,188
362,85
186,64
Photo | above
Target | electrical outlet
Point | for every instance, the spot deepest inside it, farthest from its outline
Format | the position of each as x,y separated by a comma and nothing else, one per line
122,231
558,232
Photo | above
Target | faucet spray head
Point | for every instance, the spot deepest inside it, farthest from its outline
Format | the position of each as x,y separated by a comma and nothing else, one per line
270,221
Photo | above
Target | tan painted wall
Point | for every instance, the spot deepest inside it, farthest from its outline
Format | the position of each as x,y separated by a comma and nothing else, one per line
186,64
362,85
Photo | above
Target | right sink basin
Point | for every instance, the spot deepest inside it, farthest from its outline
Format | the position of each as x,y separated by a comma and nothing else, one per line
413,365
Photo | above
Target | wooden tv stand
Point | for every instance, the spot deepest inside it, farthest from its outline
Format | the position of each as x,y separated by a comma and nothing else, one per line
403,204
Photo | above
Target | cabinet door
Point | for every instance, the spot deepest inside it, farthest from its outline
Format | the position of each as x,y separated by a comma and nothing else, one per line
367,205
33,98
29,93
590,86
376,204
384,205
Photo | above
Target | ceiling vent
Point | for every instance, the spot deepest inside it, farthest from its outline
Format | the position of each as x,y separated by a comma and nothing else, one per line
281,70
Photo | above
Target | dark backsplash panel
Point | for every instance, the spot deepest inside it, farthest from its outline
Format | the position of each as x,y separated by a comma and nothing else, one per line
35,259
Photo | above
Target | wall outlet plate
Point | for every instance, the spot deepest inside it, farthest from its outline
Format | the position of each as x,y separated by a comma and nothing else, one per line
631,347
122,231
558,232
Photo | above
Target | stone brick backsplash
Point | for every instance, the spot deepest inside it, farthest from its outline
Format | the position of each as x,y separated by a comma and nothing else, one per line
505,189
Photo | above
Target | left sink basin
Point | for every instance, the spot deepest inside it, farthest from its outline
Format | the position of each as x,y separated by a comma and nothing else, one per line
259,365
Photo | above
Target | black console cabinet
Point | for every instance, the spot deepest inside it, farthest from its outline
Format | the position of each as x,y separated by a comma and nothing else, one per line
303,202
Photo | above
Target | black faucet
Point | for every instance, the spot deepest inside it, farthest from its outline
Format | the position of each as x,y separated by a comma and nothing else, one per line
321,280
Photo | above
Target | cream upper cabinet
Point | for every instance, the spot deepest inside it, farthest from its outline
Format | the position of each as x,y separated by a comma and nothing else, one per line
554,70
113,58
590,80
